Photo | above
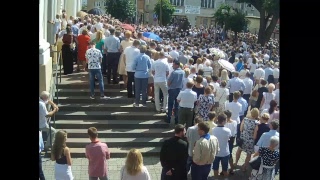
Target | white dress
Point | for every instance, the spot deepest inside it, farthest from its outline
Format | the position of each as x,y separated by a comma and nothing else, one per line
221,97
267,98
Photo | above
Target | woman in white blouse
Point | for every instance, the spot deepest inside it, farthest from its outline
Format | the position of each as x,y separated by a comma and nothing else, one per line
222,95
198,65
232,125
134,168
252,66
267,97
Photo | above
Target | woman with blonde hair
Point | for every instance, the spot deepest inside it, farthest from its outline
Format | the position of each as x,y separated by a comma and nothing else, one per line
222,96
122,67
198,65
61,154
99,40
267,97
186,78
134,168
224,76
246,141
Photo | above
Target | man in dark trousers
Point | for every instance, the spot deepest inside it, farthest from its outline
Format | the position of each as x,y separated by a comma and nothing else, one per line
174,155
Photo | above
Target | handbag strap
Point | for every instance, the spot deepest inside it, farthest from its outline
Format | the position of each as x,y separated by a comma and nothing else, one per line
222,94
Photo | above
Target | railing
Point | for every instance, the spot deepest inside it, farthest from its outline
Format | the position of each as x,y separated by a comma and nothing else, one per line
54,90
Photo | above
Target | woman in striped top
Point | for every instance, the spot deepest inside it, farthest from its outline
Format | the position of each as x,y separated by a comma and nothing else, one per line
232,125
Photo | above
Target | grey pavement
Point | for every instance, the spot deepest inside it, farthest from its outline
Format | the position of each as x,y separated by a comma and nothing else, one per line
80,168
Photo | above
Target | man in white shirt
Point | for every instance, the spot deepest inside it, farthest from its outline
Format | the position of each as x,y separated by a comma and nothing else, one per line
223,135
160,70
192,137
173,53
235,107
186,100
259,73
276,72
94,60
266,57
129,55
43,115
249,86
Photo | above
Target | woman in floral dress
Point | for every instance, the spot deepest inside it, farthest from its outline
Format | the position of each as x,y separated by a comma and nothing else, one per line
247,127
205,103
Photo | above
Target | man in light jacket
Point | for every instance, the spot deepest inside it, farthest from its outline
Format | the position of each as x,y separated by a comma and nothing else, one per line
205,150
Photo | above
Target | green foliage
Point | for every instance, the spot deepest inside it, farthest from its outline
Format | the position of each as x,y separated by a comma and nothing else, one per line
221,16
270,6
167,11
120,9
236,22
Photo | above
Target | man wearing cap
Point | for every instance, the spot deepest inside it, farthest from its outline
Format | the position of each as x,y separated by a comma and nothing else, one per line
174,86
112,49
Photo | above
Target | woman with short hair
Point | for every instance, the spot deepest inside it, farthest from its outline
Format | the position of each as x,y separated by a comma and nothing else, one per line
269,157
61,154
134,168
222,96
204,104
267,97
122,67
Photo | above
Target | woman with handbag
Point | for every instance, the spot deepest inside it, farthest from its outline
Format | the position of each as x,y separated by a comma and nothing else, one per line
134,168
268,157
246,141
267,97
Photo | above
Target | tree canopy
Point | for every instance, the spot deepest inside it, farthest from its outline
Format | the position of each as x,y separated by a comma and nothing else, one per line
233,19
120,9
167,11
268,9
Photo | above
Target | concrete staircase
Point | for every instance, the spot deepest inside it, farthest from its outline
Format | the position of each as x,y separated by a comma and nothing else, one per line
119,124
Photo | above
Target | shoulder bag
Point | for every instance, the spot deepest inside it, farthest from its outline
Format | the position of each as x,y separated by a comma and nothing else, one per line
216,103
256,162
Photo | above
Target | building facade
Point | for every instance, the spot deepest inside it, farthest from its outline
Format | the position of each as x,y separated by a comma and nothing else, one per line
48,9
198,12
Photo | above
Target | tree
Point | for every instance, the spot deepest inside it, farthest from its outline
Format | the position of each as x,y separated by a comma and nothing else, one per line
167,11
221,14
120,9
231,18
236,22
268,9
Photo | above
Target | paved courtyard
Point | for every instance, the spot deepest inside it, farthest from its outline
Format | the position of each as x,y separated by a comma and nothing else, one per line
80,168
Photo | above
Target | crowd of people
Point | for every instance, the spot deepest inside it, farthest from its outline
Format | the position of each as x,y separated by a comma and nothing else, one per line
212,107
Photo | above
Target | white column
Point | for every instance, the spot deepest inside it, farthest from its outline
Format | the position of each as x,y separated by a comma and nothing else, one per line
51,16
71,8
44,46
79,5
59,7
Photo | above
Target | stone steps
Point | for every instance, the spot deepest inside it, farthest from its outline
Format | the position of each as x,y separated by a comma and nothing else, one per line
106,115
111,124
102,107
119,124
116,152
86,99
86,92
122,133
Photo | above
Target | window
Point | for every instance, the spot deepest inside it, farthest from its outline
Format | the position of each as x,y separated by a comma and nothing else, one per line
105,3
97,4
207,3
177,2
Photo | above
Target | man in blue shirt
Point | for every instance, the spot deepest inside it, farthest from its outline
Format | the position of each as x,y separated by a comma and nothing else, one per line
235,84
141,66
112,48
243,111
174,86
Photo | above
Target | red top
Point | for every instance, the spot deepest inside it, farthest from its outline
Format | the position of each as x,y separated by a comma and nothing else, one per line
83,43
97,152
